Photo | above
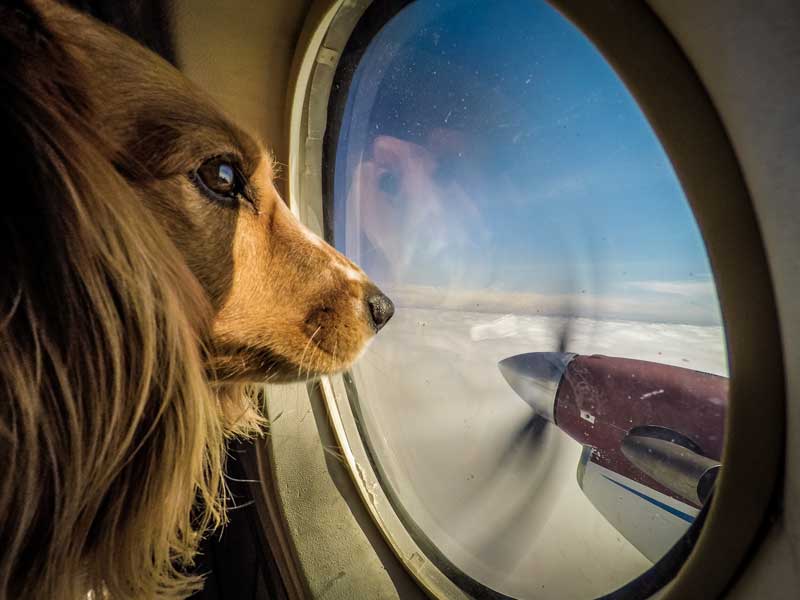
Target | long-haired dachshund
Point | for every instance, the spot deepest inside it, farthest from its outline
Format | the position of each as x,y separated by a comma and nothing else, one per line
149,272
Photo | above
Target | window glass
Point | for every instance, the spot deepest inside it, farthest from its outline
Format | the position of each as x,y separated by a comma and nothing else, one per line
495,178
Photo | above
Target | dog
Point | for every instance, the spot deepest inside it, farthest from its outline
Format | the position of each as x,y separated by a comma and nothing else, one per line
151,273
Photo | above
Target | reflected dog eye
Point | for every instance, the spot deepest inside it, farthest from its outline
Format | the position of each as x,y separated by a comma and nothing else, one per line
220,180
389,183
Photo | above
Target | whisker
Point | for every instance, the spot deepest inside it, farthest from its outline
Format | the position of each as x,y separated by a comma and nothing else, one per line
240,506
302,357
310,364
243,480
335,349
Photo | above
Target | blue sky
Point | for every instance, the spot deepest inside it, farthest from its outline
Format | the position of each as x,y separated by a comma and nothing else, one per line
487,147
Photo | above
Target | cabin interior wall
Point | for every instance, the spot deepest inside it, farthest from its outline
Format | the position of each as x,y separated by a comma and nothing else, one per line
747,54
241,53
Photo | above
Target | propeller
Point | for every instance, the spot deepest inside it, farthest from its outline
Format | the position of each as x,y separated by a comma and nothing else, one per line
535,376
526,456
529,447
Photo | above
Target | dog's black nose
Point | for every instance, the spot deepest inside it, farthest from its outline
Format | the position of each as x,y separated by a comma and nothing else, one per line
381,310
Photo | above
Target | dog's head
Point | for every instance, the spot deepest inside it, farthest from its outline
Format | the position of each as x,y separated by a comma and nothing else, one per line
286,304
146,257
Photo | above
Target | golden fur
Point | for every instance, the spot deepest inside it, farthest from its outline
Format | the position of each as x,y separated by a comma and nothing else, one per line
134,310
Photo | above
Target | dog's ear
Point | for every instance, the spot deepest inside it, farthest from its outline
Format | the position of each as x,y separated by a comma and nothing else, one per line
20,18
39,92
42,91
40,84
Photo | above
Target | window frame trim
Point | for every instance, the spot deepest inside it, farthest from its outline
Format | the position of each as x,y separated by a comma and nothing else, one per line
641,50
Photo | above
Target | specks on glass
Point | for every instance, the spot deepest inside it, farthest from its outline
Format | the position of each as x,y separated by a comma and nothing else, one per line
495,167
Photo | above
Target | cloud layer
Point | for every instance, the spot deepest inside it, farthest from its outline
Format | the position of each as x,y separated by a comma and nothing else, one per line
690,302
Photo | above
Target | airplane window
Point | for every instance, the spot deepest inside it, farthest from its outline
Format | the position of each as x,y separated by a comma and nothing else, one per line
546,409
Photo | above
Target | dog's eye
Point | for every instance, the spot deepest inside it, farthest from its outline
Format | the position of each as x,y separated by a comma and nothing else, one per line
219,179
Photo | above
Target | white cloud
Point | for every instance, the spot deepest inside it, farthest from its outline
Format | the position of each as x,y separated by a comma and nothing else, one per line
692,288
692,302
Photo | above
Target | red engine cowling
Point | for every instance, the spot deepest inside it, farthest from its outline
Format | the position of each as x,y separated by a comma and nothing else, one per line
601,401
652,435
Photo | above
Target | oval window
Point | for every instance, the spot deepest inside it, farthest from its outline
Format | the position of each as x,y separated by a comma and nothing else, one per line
545,411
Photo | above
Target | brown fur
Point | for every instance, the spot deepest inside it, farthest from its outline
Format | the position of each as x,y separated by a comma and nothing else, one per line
133,309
